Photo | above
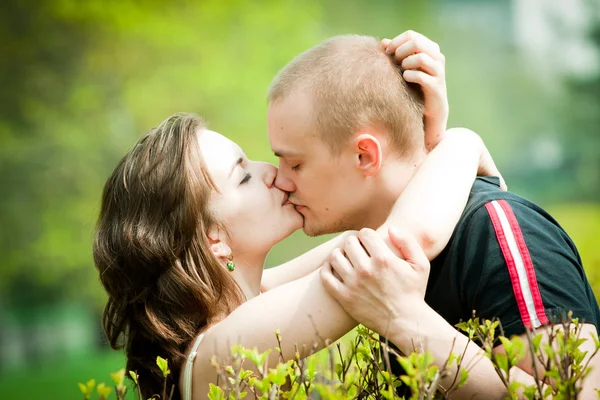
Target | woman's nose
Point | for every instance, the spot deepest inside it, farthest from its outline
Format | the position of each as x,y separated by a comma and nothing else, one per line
270,174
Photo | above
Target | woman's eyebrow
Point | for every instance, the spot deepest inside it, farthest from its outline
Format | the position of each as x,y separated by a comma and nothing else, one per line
238,162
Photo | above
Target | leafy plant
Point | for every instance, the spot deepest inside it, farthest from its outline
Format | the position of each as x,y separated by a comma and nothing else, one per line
361,368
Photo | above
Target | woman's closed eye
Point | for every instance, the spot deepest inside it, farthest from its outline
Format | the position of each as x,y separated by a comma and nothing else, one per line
246,178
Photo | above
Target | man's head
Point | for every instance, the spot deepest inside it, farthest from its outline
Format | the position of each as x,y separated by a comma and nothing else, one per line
336,112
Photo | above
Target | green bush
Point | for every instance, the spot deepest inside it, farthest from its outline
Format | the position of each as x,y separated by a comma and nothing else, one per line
361,370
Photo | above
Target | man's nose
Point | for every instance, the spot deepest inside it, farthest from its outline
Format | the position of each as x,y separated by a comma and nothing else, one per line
283,182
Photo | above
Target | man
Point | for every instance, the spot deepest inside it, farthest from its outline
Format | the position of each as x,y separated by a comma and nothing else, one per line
349,136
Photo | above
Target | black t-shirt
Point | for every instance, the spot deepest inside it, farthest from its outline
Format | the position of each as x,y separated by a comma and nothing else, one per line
509,259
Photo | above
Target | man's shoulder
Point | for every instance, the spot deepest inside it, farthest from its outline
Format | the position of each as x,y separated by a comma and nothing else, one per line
486,191
489,206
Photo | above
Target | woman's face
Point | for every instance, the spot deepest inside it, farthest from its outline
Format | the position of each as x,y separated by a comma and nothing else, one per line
256,214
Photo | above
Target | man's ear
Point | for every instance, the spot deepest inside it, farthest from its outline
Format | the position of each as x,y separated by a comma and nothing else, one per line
368,150
218,245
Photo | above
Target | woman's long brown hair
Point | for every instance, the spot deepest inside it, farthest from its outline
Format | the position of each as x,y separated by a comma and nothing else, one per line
153,256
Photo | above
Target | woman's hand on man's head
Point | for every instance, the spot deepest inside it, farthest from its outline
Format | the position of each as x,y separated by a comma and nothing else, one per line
423,63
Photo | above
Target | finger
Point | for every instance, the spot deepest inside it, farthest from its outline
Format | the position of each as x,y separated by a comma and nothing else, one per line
379,251
385,43
400,40
409,247
423,62
356,253
425,80
417,45
341,265
333,286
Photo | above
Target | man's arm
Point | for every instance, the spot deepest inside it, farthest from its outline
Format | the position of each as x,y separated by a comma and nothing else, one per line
386,294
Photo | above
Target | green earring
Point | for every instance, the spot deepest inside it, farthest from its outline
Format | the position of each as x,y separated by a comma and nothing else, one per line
230,264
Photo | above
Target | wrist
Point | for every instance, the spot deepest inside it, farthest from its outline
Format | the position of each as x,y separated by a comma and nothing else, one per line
417,329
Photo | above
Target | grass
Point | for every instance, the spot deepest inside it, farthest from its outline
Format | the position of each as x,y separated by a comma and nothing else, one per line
57,379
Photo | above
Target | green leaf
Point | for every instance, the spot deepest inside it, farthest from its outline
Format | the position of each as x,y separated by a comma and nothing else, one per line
536,343
263,357
245,375
118,377
501,361
407,365
338,370
508,345
163,365
215,392
514,389
464,374
103,390
83,389
133,376
529,392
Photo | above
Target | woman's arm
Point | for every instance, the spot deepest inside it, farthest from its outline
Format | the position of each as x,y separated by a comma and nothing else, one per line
431,204
303,264
301,310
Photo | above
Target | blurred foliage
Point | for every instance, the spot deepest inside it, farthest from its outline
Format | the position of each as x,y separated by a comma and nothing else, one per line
582,222
82,80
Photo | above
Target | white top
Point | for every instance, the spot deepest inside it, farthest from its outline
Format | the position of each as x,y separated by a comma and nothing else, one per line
186,392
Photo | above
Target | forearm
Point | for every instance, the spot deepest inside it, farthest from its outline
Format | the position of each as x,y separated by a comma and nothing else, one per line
431,332
302,265
302,311
434,199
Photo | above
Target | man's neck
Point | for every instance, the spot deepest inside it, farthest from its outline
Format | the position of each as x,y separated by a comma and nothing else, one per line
393,177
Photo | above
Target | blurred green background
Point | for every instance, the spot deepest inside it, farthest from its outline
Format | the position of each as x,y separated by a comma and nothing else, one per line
81,80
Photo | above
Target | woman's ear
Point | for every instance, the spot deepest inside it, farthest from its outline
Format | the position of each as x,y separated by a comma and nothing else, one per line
218,246
368,150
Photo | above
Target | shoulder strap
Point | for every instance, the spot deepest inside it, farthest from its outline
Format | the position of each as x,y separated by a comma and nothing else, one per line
187,373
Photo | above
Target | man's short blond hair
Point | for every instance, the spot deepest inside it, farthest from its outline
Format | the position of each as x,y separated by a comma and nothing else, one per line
354,84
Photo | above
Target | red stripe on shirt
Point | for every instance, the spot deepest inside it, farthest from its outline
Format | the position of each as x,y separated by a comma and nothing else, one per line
525,255
510,262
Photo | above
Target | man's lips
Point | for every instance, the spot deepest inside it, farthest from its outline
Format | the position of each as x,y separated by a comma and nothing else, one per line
298,207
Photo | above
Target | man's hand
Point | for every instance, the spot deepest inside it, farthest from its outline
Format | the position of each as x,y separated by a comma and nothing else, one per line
375,286
424,64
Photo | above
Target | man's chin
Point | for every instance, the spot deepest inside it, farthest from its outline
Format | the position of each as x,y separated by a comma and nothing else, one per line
312,230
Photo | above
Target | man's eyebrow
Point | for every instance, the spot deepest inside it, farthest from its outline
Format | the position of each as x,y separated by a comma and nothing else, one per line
238,162
285,153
